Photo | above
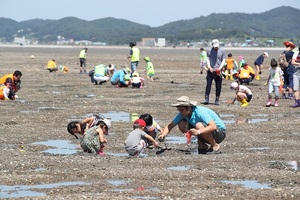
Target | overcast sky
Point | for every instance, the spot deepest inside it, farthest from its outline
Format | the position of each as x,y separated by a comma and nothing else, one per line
153,12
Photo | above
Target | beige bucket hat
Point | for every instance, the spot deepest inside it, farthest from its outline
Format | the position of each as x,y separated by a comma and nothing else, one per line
184,101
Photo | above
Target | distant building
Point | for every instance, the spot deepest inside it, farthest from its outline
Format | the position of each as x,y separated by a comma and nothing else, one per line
148,42
19,40
270,43
161,42
153,42
83,42
99,43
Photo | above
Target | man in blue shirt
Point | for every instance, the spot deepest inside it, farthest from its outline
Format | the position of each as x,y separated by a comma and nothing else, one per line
199,121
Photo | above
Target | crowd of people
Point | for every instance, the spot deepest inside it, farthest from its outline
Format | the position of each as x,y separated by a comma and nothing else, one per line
284,73
191,119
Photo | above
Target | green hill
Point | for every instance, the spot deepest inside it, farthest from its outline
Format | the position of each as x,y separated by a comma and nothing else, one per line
280,22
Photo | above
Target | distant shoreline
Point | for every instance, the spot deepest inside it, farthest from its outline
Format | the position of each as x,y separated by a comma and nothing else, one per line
126,47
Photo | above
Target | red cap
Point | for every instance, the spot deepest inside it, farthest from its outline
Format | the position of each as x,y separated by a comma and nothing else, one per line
289,44
140,122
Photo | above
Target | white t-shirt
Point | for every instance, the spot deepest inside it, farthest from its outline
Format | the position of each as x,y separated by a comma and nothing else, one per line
6,91
244,89
295,55
275,75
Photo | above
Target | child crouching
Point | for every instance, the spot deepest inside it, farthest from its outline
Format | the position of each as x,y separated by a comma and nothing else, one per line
243,94
93,139
135,142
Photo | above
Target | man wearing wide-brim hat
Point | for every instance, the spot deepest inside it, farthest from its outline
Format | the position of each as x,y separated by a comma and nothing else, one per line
199,121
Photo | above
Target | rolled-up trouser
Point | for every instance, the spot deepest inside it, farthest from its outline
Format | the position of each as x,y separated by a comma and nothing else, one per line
133,66
275,88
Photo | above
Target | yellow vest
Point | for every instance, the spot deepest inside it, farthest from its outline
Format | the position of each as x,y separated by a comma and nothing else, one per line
51,64
135,54
3,78
82,54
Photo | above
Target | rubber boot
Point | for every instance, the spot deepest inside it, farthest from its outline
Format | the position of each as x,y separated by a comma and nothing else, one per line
291,96
101,152
231,77
244,103
206,100
297,103
284,96
217,101
269,103
209,138
227,77
276,103
257,77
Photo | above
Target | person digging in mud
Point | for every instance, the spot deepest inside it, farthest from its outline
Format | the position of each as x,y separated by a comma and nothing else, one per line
135,142
6,91
16,81
199,121
152,128
92,140
242,94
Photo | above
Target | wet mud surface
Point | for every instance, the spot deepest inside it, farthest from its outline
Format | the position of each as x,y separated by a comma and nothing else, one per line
41,160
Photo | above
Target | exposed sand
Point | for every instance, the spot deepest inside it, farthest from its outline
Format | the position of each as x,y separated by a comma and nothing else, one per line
260,141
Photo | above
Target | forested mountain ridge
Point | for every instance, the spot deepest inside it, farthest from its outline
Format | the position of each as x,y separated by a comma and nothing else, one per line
281,22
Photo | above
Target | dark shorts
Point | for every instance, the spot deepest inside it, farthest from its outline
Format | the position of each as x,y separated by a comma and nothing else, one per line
82,62
136,85
219,134
249,97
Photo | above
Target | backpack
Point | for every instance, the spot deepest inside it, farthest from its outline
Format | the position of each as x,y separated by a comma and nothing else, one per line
282,61
97,119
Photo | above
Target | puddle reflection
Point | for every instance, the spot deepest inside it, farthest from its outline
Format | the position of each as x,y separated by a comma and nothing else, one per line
179,168
118,116
142,155
49,108
259,148
294,165
113,116
28,111
251,119
61,147
25,190
175,140
117,154
20,100
139,189
140,197
251,184
117,182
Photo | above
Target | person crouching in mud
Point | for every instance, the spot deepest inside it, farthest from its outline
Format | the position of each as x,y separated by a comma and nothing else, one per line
92,131
199,121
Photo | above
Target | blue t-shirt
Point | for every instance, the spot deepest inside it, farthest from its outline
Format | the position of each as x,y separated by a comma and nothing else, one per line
118,75
259,60
201,114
